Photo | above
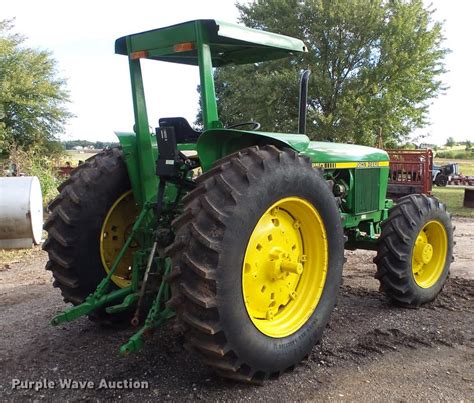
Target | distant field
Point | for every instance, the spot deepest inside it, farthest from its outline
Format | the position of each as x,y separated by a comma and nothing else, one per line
466,166
456,148
74,156
453,198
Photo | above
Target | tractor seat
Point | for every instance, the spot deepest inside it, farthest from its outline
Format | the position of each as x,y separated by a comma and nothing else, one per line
183,131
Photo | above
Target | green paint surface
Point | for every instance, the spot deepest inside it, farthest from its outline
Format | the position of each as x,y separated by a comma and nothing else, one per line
320,151
230,43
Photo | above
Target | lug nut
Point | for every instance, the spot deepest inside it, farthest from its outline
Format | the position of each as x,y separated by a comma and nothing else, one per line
269,314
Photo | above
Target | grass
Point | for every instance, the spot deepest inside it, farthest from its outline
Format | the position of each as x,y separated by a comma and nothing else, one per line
453,198
466,166
458,147
9,256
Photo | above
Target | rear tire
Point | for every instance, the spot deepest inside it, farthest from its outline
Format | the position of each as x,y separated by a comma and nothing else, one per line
415,250
74,225
212,237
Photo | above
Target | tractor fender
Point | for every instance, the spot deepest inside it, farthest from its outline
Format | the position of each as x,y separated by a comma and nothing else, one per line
128,143
214,144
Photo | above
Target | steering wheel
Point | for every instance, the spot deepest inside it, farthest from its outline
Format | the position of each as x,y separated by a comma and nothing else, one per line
255,125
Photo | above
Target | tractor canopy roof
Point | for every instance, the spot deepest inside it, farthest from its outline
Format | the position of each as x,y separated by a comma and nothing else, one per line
229,43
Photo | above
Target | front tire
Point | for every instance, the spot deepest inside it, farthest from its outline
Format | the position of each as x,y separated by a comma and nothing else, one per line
257,263
415,250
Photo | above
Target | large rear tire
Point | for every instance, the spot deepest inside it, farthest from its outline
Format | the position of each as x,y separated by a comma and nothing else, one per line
77,227
257,263
415,250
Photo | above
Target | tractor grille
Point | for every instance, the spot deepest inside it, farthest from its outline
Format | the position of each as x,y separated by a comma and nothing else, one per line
367,188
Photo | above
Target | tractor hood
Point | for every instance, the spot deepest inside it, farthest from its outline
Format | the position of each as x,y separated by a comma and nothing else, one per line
214,144
348,155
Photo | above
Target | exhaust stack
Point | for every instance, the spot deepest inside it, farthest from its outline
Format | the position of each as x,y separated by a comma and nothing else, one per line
303,103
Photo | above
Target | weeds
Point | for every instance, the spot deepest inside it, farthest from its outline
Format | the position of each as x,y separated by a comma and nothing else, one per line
32,163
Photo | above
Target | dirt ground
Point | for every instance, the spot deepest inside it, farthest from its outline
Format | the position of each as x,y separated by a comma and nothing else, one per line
371,349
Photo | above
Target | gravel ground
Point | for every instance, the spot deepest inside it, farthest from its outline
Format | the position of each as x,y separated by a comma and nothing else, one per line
371,349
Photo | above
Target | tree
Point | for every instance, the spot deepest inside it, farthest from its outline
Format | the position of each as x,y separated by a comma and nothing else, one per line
468,145
375,66
32,96
450,142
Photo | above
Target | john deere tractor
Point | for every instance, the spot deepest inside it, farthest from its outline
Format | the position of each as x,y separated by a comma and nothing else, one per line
236,232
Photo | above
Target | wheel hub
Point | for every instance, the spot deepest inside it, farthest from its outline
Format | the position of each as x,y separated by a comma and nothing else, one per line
115,230
274,265
423,250
280,263
280,269
429,254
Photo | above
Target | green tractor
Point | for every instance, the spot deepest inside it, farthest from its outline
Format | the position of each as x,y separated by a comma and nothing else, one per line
236,232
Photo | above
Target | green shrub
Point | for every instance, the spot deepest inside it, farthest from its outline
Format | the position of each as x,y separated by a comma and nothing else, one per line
33,163
456,154
48,178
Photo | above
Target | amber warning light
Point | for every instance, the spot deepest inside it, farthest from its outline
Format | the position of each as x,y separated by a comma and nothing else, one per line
184,47
139,55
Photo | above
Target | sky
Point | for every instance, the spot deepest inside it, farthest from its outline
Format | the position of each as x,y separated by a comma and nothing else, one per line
81,34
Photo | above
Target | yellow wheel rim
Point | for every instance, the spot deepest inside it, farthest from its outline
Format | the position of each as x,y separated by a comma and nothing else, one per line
115,230
429,254
285,267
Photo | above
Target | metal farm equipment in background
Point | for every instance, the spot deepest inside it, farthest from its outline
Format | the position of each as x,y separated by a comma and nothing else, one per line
450,174
410,172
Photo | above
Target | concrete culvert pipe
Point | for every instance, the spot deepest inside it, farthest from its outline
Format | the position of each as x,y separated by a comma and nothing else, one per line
21,212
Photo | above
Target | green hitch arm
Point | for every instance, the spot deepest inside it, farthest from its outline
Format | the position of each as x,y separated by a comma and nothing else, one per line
88,306
154,319
128,301
102,287
98,299
135,342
